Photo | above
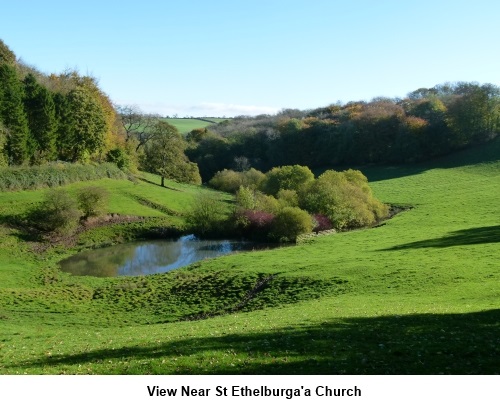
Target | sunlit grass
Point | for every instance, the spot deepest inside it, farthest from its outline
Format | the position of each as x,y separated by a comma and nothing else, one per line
417,295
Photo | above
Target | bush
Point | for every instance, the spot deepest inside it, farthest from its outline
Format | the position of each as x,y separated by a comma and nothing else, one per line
119,157
93,201
230,181
208,215
245,198
321,223
344,197
226,180
254,224
289,223
58,213
267,203
288,198
286,178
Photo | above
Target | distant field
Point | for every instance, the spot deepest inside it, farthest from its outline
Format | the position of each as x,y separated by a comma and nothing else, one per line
418,295
185,125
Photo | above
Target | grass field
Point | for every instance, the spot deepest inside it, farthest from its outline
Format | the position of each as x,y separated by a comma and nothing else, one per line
185,125
418,295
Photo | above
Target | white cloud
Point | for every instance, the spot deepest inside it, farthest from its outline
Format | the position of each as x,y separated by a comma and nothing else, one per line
204,109
231,110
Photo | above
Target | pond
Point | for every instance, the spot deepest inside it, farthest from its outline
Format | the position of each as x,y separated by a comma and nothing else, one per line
151,257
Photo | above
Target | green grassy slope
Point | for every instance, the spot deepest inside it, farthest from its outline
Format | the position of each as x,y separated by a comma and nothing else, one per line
418,295
185,125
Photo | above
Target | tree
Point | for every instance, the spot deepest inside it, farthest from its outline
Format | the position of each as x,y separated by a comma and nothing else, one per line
435,140
12,115
3,142
40,110
86,126
137,125
473,112
164,155
6,55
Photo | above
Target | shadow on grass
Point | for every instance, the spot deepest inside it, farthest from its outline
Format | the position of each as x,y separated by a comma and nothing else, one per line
21,229
157,184
478,154
410,344
471,236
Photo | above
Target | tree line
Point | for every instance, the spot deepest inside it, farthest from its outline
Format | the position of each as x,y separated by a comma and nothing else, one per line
51,117
429,122
67,117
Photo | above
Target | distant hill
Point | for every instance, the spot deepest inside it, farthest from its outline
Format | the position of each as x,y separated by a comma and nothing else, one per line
185,125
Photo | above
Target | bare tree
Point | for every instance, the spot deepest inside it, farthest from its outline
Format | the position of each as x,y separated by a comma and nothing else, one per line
136,124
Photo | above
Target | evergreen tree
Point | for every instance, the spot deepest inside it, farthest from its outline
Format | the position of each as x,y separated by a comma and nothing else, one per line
13,115
3,141
40,110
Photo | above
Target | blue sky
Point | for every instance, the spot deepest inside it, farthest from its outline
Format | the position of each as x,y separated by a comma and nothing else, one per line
226,58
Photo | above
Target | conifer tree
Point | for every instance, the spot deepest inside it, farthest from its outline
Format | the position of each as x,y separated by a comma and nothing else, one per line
13,115
40,110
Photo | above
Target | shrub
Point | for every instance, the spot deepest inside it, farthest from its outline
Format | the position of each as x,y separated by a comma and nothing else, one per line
288,198
286,178
321,223
207,215
259,219
15,178
226,180
230,181
93,201
289,223
245,198
58,213
267,203
253,178
119,157
254,224
344,197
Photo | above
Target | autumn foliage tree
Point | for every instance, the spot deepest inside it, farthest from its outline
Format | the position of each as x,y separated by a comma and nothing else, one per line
86,126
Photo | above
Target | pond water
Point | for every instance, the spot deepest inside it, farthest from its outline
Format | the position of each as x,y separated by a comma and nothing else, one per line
150,257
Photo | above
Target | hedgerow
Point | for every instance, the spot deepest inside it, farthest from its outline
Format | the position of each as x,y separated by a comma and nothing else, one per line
15,178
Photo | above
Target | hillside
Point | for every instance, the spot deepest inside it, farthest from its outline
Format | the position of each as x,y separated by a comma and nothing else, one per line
185,125
418,295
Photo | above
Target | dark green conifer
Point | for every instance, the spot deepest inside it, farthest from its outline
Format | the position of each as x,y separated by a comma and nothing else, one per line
40,110
13,115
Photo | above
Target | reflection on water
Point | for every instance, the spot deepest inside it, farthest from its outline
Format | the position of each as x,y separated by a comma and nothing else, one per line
142,258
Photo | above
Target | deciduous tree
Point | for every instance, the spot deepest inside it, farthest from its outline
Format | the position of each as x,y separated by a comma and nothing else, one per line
164,155
86,126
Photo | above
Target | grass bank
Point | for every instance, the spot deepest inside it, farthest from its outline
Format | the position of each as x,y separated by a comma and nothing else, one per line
418,295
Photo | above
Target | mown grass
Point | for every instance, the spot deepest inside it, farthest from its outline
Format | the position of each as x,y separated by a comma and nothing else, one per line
418,295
